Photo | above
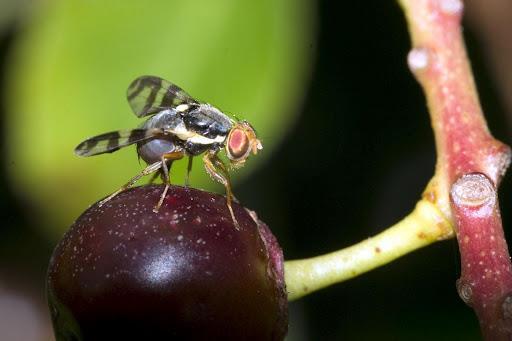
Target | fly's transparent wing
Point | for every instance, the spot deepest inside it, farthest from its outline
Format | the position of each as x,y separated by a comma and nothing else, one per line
115,140
149,94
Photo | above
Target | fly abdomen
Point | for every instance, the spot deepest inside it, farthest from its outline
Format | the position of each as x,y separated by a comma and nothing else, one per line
151,151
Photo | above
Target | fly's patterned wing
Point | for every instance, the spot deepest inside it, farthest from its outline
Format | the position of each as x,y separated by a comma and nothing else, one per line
115,140
149,94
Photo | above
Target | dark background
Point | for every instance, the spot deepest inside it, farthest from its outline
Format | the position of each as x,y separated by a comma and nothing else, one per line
364,127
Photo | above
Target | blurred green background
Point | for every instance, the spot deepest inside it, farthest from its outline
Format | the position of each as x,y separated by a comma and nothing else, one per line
73,60
347,140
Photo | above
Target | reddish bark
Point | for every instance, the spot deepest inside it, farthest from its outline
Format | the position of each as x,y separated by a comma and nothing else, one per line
470,161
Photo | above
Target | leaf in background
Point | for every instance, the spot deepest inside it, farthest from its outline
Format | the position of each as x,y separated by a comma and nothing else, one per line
73,60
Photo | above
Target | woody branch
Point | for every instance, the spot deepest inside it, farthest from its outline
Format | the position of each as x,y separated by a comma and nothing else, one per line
470,162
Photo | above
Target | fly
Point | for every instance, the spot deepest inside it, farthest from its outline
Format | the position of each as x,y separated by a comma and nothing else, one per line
177,126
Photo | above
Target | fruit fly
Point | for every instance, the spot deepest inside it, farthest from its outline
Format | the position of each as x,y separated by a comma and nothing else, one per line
177,126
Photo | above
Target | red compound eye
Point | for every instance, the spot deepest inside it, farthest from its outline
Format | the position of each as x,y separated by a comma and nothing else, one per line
238,144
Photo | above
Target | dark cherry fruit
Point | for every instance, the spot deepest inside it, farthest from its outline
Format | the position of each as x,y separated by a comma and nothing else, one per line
123,272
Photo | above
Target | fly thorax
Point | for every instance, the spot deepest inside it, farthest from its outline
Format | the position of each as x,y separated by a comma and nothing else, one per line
207,121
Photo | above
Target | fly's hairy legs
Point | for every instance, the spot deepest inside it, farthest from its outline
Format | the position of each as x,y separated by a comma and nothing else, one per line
152,168
166,159
218,171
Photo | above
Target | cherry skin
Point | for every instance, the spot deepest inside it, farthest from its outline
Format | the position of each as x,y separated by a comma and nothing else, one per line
185,273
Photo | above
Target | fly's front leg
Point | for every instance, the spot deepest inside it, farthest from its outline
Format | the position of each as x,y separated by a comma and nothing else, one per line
218,171
168,157
146,171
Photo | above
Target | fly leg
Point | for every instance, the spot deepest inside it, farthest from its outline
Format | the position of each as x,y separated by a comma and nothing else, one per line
146,171
218,171
166,158
189,169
